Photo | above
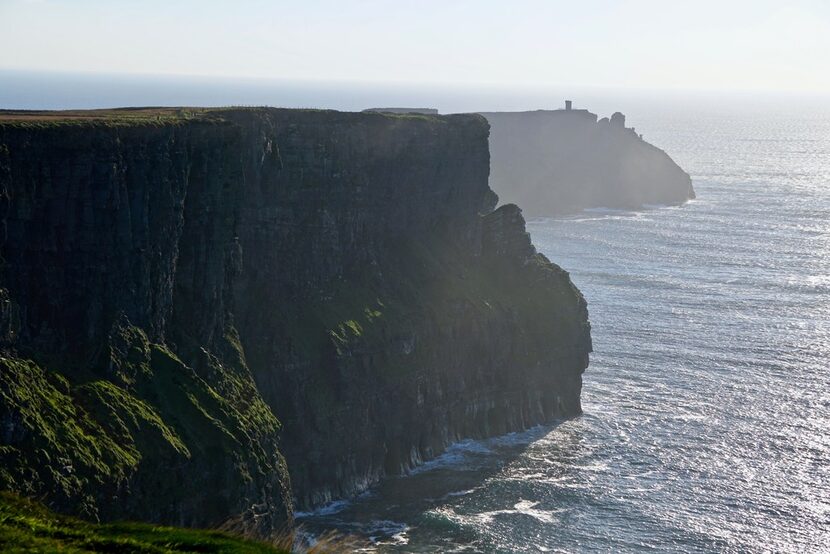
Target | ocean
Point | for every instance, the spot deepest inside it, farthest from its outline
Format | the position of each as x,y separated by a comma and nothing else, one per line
706,424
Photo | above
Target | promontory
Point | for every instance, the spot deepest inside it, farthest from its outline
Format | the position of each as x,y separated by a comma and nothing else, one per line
554,162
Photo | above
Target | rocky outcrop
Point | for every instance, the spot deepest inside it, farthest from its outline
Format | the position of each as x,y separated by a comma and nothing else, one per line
563,161
195,307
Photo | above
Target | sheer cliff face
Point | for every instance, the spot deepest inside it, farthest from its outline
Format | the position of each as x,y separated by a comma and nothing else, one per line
124,389
557,162
189,307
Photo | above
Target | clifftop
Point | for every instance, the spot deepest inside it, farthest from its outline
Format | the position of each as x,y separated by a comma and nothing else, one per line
116,116
123,117
423,111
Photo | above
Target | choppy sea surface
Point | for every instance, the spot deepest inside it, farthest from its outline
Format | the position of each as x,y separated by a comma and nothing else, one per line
706,423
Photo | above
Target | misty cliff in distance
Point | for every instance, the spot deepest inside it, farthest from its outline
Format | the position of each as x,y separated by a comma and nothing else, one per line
553,162
222,314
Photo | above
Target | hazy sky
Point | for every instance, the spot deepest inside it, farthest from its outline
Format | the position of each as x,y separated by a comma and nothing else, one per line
704,44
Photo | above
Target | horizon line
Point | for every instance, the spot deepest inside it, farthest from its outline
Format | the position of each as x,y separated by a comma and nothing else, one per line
457,85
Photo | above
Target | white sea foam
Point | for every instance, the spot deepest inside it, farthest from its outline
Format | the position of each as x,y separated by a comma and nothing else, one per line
324,510
457,454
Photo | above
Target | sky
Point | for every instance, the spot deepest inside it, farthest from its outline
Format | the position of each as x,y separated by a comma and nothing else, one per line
700,45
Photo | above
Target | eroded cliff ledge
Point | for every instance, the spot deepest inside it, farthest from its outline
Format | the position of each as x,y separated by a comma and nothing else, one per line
195,300
554,162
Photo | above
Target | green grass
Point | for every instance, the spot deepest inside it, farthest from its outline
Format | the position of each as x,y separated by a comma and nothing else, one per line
26,526
74,439
160,116
56,430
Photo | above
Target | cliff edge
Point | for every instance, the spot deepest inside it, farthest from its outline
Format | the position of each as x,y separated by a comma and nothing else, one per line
555,162
214,316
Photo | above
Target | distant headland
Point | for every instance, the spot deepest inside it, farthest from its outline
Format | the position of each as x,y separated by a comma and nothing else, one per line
562,161
554,162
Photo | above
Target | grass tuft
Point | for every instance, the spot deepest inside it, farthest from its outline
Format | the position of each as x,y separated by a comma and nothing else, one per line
27,526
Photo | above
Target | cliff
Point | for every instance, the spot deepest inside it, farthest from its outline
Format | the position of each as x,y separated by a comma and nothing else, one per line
555,162
213,315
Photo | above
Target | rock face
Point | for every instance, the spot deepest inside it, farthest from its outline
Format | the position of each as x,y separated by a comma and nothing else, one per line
193,309
555,162
124,389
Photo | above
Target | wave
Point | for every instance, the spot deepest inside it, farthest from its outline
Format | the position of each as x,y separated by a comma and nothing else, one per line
326,509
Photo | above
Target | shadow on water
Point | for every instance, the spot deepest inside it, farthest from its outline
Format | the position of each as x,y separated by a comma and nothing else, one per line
551,488
399,506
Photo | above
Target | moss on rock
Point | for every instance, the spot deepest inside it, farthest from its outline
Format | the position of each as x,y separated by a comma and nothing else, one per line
85,445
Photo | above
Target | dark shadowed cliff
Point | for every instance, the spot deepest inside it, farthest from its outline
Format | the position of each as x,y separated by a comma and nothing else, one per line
197,304
562,161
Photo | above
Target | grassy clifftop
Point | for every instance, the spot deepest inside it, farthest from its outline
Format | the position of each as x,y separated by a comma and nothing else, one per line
124,117
112,117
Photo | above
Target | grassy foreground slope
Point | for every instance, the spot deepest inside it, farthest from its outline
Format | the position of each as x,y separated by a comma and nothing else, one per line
26,526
